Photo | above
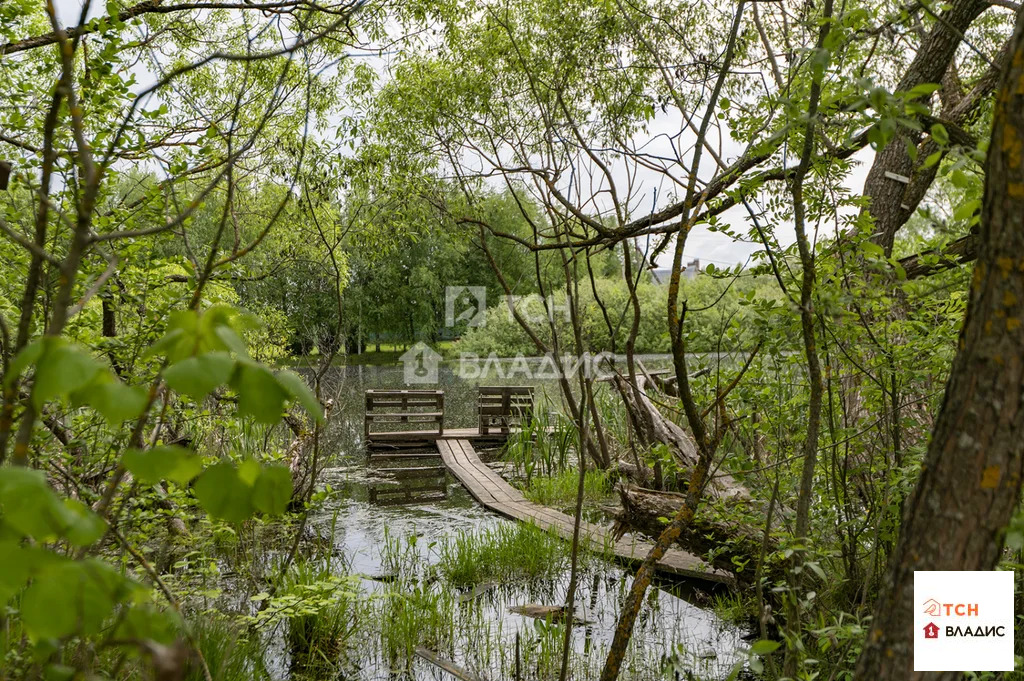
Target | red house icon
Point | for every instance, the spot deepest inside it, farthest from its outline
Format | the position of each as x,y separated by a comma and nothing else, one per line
931,630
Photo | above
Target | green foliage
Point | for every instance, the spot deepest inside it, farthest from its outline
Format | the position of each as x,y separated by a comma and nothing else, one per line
506,551
559,490
163,462
719,317
231,653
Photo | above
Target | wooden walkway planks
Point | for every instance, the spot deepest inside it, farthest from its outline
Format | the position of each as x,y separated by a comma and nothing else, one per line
491,490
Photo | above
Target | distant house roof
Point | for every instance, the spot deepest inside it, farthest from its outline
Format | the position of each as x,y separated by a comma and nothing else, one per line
661,276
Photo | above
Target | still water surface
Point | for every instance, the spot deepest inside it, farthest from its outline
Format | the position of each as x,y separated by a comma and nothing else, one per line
676,620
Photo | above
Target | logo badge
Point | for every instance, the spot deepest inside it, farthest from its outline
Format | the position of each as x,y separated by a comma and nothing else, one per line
972,613
465,304
419,364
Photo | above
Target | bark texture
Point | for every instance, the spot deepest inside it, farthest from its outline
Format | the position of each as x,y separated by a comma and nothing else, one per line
892,201
971,478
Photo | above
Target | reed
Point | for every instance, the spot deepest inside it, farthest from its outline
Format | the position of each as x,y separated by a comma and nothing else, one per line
504,551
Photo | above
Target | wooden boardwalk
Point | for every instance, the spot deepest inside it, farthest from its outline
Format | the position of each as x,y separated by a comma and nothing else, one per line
491,490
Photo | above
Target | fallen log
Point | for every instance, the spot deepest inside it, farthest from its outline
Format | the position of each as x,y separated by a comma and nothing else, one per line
551,613
727,540
652,428
447,665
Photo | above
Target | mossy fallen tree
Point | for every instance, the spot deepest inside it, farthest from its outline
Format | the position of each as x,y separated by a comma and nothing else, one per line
728,531
723,532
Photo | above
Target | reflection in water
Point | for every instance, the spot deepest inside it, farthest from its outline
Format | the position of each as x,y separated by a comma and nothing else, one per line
484,627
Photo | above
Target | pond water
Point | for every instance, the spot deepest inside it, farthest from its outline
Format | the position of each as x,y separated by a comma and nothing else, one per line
677,622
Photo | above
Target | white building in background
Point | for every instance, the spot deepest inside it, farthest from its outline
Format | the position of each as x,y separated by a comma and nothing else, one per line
661,276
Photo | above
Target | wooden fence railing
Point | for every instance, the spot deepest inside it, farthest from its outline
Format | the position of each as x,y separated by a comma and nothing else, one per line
502,407
403,411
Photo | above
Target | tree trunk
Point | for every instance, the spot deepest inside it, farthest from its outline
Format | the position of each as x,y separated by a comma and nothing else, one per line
893,201
971,478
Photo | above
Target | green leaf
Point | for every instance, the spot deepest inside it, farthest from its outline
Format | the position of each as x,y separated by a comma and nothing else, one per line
871,248
198,376
116,401
175,344
164,462
14,570
24,359
260,395
71,597
301,393
273,489
911,149
922,90
966,210
940,134
764,647
231,341
30,507
84,527
62,369
223,494
817,570
147,622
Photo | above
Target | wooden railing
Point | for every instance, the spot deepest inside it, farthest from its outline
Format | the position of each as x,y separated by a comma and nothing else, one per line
502,407
404,410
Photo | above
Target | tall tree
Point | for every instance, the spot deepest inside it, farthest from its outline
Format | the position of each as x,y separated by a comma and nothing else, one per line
971,477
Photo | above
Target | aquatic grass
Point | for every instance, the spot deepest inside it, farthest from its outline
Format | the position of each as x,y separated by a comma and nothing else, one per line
229,651
322,611
505,551
416,616
542,651
734,607
614,418
559,490
400,556
544,443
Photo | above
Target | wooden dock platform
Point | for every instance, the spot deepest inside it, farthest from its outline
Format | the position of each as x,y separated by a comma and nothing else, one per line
491,490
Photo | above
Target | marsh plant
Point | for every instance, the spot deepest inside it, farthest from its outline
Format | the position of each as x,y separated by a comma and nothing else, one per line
231,652
544,445
321,611
559,490
400,557
410,616
504,551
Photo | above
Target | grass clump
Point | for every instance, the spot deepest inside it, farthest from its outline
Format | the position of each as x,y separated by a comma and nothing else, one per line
505,551
543,446
409,617
231,653
559,490
322,613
